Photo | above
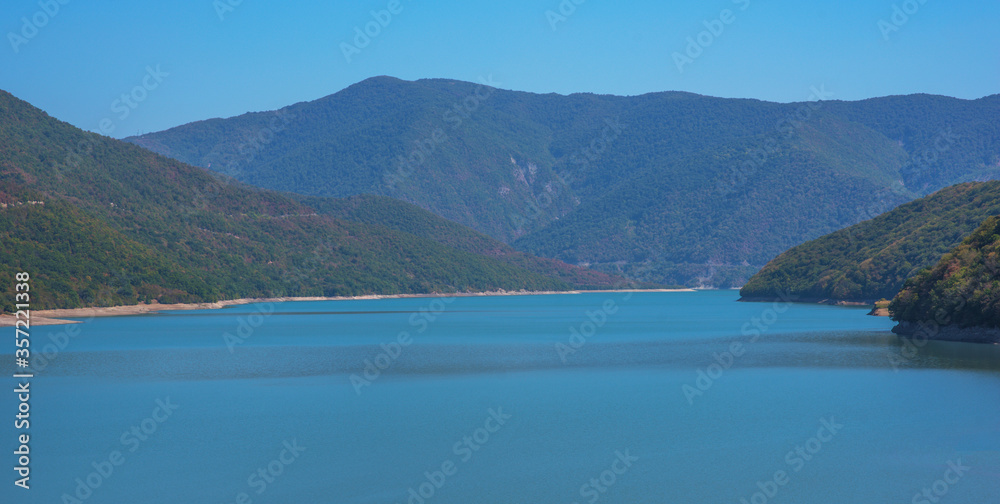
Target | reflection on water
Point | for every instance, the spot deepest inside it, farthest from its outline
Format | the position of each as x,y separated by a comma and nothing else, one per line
876,350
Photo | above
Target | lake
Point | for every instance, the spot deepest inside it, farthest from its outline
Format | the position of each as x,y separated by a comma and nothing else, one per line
673,397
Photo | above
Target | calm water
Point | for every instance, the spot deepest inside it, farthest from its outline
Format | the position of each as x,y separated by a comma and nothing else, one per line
497,400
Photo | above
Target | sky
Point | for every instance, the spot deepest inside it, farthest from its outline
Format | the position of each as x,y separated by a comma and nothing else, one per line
126,68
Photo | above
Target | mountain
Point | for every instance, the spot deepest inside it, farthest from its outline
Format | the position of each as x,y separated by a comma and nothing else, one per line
871,260
404,217
958,298
96,221
677,187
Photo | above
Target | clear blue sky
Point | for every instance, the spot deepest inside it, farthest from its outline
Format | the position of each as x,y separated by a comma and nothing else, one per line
265,55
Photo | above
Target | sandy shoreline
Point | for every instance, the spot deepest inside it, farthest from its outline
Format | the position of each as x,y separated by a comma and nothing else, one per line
59,316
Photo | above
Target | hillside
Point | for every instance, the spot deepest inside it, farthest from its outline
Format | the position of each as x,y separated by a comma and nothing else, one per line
686,188
407,218
871,260
961,291
97,222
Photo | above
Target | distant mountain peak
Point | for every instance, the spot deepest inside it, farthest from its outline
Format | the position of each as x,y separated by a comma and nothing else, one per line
663,182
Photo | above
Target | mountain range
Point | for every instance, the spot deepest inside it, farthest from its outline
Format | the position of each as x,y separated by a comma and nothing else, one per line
674,188
97,222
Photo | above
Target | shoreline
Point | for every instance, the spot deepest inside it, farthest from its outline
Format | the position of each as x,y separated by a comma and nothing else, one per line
879,308
805,300
59,316
953,333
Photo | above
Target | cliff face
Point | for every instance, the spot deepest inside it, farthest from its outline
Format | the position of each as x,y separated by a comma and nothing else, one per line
958,299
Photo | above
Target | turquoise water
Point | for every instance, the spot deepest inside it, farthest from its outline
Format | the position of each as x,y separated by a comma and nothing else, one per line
496,400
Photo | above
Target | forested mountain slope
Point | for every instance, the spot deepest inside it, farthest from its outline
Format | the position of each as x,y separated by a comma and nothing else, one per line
871,260
696,190
961,291
96,221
